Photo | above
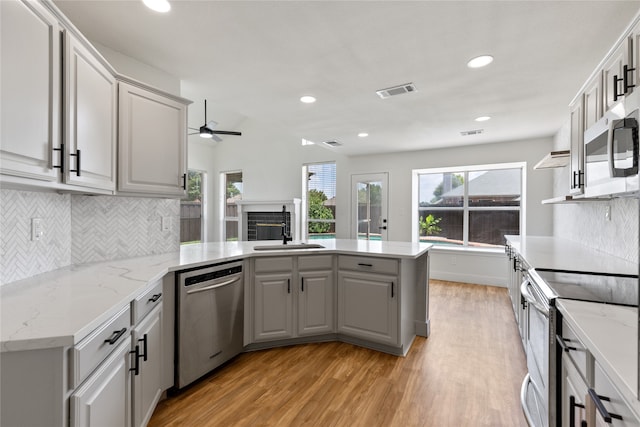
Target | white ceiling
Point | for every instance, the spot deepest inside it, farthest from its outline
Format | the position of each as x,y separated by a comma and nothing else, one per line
256,58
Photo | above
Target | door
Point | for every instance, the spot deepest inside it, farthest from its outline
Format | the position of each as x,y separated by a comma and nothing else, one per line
315,302
369,202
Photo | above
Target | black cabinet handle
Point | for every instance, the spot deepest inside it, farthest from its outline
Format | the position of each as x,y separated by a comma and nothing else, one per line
184,181
144,347
616,80
288,286
625,78
392,288
597,400
116,336
573,181
61,166
77,156
302,284
155,297
365,265
580,179
136,360
572,410
563,344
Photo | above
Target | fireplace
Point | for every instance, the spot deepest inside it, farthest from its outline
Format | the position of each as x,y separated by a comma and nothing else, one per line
262,220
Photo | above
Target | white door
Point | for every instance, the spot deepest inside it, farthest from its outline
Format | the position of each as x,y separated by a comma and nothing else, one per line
369,206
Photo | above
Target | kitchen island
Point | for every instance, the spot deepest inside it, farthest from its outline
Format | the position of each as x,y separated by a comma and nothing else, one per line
49,320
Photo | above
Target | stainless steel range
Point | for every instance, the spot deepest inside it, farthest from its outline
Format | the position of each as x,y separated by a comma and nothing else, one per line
539,290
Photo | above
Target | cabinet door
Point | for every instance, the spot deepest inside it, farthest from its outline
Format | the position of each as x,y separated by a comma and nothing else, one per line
147,383
573,394
152,143
315,303
576,177
613,69
29,90
273,306
90,131
592,102
104,398
368,306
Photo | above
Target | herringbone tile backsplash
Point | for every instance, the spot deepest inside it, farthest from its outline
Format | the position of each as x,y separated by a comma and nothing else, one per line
80,229
19,256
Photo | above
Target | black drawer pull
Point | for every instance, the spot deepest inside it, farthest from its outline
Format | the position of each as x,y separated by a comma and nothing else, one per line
361,264
116,336
155,297
597,400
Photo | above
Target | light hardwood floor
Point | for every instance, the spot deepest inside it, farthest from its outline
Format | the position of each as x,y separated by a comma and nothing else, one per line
467,373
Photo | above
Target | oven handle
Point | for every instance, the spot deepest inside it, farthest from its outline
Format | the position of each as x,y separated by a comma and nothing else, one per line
218,285
531,300
523,399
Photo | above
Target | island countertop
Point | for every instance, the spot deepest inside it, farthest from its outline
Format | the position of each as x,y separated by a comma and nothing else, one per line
61,307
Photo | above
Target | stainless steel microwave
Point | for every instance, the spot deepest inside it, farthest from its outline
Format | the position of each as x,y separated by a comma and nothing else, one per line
611,155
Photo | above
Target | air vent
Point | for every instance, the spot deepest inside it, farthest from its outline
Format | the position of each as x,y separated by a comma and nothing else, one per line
332,143
472,132
396,90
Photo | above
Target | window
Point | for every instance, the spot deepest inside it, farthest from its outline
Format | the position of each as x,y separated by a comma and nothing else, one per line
319,201
469,206
232,190
191,209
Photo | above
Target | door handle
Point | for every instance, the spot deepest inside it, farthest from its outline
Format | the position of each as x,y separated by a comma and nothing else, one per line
208,288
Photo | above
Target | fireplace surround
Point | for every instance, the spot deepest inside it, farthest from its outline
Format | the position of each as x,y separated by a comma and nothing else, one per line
262,219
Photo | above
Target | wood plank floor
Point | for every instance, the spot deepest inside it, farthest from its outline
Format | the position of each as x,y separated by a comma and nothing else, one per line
467,373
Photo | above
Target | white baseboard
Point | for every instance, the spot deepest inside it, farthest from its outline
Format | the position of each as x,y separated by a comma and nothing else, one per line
468,278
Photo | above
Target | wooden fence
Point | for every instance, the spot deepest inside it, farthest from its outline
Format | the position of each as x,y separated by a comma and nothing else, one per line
190,221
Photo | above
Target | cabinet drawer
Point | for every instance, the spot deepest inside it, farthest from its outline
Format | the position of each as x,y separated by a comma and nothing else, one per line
96,347
612,400
273,264
315,262
574,349
143,304
369,264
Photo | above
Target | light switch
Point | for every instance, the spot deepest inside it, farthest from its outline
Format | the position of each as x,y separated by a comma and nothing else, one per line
36,229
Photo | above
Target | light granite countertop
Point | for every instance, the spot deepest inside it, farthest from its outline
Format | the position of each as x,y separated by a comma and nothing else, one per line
552,253
610,332
61,307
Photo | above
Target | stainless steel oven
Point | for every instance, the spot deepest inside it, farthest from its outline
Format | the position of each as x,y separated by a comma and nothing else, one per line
537,393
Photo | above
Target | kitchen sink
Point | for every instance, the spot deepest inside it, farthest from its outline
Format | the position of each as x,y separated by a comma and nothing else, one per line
286,247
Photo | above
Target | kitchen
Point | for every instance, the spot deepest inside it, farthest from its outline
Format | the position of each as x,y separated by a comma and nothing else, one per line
78,216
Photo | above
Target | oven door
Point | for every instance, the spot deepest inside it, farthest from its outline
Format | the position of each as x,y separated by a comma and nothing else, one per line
537,349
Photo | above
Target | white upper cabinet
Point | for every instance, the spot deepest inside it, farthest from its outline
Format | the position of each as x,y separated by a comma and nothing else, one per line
29,91
615,75
152,142
90,119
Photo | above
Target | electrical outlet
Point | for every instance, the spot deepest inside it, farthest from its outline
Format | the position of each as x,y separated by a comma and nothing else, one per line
165,223
607,212
36,229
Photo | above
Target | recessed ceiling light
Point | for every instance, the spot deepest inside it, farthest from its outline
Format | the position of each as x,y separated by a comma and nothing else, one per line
158,5
308,99
482,118
480,61
363,134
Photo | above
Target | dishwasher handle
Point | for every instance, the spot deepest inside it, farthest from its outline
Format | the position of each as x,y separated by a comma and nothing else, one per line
218,285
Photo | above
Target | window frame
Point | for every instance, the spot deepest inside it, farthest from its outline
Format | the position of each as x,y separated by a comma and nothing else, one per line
465,208
223,203
304,206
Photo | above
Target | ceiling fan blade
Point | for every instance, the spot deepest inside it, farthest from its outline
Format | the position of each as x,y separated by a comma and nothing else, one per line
190,128
216,138
194,133
226,132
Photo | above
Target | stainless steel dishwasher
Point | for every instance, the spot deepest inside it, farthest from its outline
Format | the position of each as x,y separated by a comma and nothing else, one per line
209,317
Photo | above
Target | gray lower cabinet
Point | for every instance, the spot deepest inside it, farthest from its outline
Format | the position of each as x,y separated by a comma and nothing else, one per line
147,378
292,297
104,399
368,306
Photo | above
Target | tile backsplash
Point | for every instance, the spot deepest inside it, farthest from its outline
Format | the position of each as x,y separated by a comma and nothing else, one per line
81,229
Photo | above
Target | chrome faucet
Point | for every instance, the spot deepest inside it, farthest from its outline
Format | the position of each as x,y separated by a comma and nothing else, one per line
286,237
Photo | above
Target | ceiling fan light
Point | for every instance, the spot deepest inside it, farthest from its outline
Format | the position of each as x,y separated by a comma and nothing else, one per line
308,99
162,6
205,132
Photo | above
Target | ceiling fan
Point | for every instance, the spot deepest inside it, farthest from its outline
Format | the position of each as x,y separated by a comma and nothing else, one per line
207,130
